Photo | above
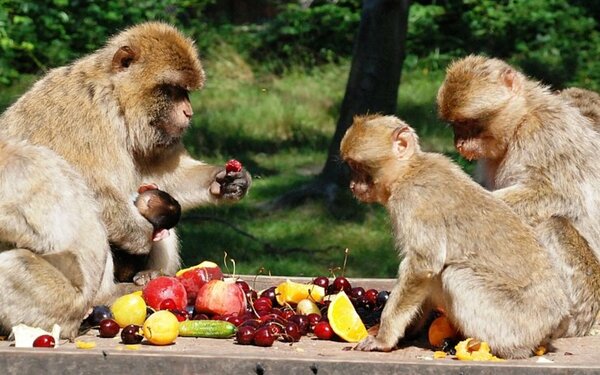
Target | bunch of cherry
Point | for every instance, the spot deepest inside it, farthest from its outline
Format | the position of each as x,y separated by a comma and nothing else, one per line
266,321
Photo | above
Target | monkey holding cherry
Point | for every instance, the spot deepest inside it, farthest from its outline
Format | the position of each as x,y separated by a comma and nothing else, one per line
118,115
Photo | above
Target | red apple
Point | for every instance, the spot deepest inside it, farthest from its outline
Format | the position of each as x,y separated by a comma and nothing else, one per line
221,297
194,277
163,288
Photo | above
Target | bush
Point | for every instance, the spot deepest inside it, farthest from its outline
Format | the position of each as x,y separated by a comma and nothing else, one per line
35,35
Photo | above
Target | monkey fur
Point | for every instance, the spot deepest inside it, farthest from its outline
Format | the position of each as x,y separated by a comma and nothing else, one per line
461,248
117,116
55,262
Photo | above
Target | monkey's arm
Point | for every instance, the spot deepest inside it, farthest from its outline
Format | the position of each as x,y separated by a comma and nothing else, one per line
532,204
193,182
405,302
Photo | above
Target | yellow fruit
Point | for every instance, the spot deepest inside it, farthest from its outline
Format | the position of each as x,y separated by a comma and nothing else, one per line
204,264
480,352
85,344
161,328
293,292
129,309
344,320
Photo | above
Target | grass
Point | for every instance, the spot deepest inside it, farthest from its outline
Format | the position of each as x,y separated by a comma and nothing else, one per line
280,128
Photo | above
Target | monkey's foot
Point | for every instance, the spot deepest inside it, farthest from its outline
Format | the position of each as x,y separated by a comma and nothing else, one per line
372,344
143,277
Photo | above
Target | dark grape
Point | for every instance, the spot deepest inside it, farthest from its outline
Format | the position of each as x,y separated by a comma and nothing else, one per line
382,297
99,313
131,334
44,341
321,281
263,337
108,328
323,331
245,335
190,310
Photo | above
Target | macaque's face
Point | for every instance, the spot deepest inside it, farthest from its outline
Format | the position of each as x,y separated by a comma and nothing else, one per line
172,113
362,184
479,129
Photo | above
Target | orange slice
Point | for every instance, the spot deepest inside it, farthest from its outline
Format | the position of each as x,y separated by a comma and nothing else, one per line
344,319
293,292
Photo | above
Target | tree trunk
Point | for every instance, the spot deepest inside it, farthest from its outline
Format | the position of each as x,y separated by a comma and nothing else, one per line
374,76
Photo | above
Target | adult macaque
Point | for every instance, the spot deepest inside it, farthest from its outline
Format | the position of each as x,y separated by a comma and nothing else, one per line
588,103
461,248
118,115
538,152
55,262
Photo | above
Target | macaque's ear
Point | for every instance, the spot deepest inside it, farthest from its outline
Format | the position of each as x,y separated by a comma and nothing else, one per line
404,142
511,79
123,58
160,234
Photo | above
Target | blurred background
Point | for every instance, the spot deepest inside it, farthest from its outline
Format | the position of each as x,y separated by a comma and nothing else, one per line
280,82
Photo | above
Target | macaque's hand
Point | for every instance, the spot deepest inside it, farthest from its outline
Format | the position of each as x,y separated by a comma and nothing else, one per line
373,344
231,185
143,277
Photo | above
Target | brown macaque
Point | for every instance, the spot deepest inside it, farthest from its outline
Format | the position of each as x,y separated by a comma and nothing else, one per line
118,116
537,152
55,262
588,103
461,248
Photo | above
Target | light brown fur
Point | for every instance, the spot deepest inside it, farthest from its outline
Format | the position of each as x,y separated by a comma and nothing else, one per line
460,247
586,101
54,256
539,155
117,115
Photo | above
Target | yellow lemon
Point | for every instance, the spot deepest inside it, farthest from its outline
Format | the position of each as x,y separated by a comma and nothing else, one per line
129,309
293,292
344,319
161,328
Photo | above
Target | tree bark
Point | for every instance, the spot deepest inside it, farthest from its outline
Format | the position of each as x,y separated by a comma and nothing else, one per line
374,77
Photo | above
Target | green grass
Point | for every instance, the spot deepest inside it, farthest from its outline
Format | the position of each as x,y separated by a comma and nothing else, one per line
280,128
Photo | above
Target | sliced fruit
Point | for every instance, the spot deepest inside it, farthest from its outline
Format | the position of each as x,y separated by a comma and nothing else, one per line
344,319
439,330
469,350
293,292
161,328
203,264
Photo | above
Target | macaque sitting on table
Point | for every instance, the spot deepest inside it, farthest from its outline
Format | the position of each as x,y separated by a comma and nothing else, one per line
462,249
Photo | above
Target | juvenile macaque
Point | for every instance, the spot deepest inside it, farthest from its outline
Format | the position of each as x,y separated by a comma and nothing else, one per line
538,152
159,208
118,116
55,262
163,212
461,248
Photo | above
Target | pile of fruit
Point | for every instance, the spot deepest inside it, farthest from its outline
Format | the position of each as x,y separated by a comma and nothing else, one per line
200,302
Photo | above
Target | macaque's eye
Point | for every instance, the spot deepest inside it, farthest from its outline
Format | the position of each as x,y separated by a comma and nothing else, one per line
175,93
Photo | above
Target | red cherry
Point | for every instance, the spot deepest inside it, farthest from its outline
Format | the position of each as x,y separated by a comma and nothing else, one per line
233,166
263,337
371,296
321,281
44,341
108,328
167,304
291,332
341,283
323,331
245,335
